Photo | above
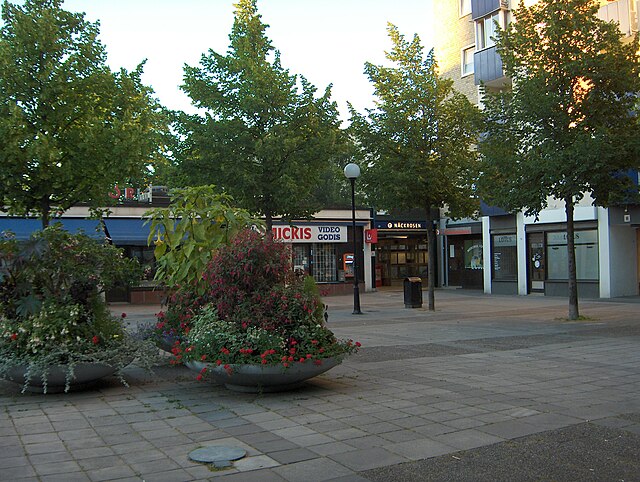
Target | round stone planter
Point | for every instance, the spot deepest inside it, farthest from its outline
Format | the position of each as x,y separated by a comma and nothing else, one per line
264,378
84,375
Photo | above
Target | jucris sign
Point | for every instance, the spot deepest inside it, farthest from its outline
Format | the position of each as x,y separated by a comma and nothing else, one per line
310,234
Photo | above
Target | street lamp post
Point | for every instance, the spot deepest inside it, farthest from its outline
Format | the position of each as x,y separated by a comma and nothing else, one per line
352,172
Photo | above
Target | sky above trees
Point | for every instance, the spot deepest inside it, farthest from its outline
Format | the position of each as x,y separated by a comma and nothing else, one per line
328,41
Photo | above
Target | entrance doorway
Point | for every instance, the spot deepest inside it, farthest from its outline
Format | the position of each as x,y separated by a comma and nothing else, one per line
536,256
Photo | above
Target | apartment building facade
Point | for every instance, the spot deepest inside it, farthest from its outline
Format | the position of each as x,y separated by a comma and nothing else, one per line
520,254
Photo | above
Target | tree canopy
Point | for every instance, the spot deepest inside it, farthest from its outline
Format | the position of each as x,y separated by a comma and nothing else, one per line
569,125
69,127
265,137
417,142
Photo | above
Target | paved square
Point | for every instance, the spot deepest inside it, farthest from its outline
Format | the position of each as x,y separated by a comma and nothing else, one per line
469,388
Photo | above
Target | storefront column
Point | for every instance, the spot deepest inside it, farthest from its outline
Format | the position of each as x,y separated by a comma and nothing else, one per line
367,263
522,254
603,253
486,253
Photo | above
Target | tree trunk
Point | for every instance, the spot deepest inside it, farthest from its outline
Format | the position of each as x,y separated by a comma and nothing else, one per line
571,261
268,220
431,270
45,208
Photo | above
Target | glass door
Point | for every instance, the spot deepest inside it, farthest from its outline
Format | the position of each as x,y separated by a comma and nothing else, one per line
535,251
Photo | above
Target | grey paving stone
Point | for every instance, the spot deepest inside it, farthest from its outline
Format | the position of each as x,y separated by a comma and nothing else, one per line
335,448
365,459
19,472
61,467
293,455
420,449
66,477
316,470
260,475
110,473
19,461
101,462
44,448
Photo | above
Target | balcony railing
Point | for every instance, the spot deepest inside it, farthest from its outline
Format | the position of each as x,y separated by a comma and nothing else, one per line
487,66
482,8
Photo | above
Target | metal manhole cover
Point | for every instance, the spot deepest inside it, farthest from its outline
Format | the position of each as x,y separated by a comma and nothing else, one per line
217,454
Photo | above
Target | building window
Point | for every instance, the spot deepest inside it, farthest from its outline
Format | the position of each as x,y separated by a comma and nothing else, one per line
465,7
324,263
586,244
486,29
467,60
505,257
472,254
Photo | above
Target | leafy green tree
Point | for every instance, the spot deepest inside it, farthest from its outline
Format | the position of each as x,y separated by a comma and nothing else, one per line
69,127
265,137
417,142
569,125
187,234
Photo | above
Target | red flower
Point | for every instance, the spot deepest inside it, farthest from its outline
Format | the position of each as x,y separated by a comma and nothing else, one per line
264,361
317,362
321,350
314,342
358,344
218,362
123,315
14,336
308,355
302,360
160,325
95,340
292,351
203,357
199,377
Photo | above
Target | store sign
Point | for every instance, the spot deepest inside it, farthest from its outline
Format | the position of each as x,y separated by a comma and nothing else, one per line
401,225
371,236
505,240
328,233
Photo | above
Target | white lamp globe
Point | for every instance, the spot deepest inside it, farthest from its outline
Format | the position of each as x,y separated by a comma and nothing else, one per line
352,171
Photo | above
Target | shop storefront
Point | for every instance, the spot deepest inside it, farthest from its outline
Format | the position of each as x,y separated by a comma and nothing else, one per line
401,251
324,250
464,256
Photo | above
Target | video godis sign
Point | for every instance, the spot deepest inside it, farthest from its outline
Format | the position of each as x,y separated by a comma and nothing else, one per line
328,233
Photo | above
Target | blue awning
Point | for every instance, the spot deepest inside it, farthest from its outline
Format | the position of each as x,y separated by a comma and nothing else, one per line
22,228
127,232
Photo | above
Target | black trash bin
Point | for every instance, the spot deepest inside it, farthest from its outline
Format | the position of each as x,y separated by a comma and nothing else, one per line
413,292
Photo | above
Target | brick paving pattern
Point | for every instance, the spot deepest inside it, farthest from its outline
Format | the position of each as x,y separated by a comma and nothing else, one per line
482,375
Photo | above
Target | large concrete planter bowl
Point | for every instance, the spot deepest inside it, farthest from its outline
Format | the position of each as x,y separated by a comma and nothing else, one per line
263,378
85,375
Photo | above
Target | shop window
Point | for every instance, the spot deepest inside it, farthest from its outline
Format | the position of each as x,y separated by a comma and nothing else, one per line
472,254
324,263
586,248
147,260
505,257
301,258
